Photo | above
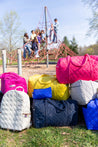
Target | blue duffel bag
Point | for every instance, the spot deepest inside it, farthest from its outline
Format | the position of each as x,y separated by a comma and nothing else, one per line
47,112
91,115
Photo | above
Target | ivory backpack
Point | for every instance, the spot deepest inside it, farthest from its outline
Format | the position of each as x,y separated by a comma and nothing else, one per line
15,111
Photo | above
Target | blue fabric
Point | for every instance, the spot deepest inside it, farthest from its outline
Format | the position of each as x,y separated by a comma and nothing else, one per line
42,93
91,115
27,48
48,112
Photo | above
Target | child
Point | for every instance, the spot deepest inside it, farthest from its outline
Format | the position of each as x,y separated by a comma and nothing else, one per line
42,36
51,31
39,39
27,46
35,47
56,25
32,35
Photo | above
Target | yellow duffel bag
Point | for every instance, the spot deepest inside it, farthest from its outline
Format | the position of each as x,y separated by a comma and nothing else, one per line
59,91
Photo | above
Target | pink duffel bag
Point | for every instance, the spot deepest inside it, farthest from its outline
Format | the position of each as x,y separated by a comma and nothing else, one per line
12,81
72,69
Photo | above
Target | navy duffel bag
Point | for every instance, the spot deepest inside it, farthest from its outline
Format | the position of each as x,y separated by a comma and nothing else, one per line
47,112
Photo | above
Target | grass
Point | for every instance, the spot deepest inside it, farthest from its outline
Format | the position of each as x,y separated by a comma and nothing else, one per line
77,136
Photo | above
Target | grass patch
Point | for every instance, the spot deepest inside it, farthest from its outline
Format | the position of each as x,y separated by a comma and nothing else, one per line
77,136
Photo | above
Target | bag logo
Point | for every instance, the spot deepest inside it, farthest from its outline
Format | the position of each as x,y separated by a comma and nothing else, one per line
12,85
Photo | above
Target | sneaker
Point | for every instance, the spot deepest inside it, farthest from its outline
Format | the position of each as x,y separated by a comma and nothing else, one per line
37,56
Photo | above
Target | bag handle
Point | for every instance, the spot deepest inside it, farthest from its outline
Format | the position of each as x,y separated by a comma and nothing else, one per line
47,82
1,76
19,87
85,58
56,106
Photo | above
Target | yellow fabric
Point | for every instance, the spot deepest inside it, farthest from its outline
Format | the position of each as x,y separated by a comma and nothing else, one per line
59,91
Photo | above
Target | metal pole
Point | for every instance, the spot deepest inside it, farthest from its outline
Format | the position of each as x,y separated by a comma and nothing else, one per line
19,62
4,60
46,34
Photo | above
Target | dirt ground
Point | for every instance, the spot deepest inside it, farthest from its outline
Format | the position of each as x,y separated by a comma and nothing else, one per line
28,71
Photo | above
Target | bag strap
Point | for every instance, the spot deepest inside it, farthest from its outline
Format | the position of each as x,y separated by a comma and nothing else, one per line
56,106
86,56
47,82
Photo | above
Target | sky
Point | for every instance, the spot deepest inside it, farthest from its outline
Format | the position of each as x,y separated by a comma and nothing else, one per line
72,15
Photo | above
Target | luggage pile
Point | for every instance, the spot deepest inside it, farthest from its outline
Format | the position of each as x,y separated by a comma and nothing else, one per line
52,100
81,72
51,104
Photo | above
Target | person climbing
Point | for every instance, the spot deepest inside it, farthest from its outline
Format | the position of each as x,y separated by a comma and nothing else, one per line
56,25
51,32
26,45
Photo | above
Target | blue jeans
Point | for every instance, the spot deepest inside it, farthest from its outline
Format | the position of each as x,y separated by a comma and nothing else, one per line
27,48
55,36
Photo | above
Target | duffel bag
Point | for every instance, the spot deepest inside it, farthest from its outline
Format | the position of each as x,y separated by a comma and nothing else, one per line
91,115
72,69
83,91
47,112
59,91
12,81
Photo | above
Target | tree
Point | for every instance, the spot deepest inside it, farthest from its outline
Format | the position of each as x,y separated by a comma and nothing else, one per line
66,41
10,32
93,24
93,21
73,45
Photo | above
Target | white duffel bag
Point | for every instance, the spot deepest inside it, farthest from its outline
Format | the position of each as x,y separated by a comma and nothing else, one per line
83,91
15,111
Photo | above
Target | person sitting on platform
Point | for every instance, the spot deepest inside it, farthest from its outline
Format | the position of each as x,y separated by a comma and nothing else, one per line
43,38
26,45
32,35
39,39
35,47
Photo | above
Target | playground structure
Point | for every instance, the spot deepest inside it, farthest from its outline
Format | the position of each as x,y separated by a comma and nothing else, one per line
49,52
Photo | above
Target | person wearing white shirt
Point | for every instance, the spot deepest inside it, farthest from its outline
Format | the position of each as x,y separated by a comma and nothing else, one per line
56,25
32,35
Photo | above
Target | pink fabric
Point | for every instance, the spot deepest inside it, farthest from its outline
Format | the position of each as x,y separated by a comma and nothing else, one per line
72,69
12,81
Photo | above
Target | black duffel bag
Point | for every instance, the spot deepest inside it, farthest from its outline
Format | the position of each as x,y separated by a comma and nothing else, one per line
47,112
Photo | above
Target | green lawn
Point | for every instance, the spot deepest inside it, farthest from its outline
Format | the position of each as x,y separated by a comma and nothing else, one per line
77,136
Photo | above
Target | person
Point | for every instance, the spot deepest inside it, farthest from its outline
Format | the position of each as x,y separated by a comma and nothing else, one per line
51,31
35,47
43,36
56,25
32,35
27,46
39,39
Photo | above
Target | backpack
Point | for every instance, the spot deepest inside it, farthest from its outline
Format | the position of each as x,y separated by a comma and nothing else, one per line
15,111
12,81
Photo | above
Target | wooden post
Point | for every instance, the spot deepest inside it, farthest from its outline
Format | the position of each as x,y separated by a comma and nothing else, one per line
46,34
19,62
4,60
